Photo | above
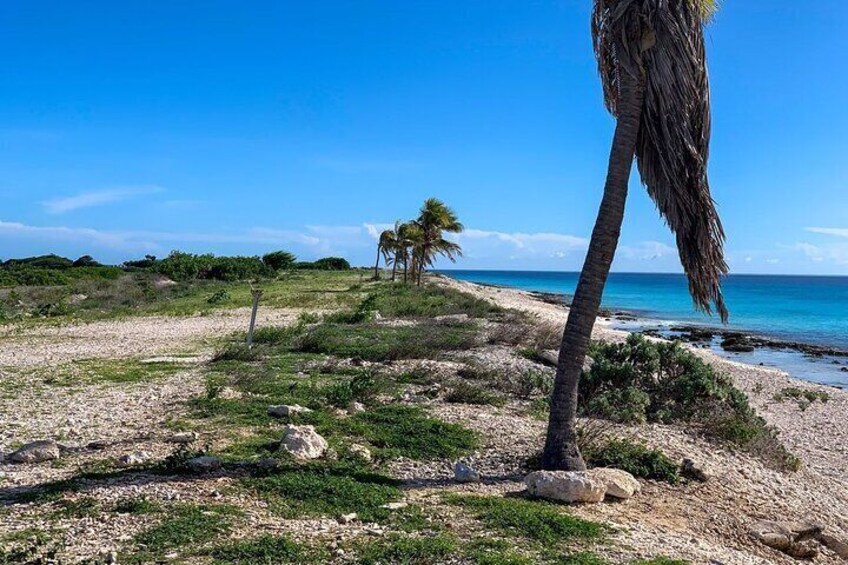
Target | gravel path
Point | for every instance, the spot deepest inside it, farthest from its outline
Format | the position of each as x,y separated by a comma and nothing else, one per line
129,337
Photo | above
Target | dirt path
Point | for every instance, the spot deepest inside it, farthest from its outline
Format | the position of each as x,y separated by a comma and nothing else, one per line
129,337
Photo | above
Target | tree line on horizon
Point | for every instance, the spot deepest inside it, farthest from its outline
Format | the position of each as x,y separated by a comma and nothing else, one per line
414,245
53,270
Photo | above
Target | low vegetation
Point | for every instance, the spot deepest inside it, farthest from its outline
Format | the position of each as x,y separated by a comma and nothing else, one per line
635,458
644,381
366,373
803,397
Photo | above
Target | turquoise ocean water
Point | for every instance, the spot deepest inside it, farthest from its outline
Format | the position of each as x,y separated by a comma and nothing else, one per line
793,308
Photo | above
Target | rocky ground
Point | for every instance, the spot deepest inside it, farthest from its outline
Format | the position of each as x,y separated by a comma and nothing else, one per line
96,421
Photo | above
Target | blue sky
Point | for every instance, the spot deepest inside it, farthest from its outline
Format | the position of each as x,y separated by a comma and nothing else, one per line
239,127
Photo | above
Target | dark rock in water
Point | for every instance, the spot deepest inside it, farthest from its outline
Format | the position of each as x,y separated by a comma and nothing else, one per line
844,369
737,343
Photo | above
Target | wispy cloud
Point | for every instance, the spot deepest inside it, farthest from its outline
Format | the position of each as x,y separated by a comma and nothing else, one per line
129,240
839,232
97,198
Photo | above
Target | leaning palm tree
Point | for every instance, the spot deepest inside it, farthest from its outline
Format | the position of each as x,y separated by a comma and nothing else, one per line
652,63
434,220
384,242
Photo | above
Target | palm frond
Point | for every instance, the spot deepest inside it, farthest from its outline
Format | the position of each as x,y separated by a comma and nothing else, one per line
661,42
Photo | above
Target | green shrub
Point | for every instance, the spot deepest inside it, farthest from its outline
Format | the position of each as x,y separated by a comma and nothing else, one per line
802,396
219,297
637,459
279,260
641,380
181,266
325,264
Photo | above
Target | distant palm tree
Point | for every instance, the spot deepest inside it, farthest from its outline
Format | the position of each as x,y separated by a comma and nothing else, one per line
434,220
384,242
652,63
408,236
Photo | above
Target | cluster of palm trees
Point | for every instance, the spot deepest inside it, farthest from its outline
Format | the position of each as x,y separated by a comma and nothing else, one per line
414,245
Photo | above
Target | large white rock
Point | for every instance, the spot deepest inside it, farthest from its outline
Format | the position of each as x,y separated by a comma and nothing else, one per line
287,411
565,486
303,442
361,452
620,484
36,452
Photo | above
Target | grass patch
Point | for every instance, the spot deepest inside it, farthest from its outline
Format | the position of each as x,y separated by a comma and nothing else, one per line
266,549
428,301
326,489
635,458
374,342
407,431
109,371
462,392
84,507
536,520
407,550
140,505
185,527
487,551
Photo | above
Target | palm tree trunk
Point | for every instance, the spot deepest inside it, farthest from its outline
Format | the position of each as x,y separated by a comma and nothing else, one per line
561,449
377,264
394,267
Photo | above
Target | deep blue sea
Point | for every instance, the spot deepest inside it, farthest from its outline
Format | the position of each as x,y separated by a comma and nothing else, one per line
793,308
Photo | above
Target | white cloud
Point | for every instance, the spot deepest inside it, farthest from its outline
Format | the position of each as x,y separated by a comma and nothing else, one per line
131,240
839,232
374,230
546,244
97,198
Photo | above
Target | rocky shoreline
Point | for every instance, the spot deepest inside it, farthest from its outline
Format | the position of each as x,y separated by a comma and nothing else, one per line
718,339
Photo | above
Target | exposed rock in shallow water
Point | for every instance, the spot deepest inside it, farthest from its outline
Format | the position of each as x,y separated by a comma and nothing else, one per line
565,486
36,452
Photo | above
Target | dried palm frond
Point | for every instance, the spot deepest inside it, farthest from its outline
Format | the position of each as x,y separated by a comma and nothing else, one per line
661,43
